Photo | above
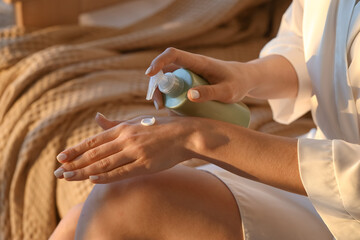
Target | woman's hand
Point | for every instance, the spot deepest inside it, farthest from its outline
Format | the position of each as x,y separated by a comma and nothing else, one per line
128,149
229,81
266,78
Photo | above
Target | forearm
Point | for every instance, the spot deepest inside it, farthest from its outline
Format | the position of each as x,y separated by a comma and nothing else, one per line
262,157
272,77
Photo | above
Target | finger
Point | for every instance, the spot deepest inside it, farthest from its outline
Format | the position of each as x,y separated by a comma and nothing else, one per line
101,166
170,68
204,93
127,171
105,123
194,62
89,157
89,143
158,100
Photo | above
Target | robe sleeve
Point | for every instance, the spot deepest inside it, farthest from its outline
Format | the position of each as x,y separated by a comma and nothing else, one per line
330,172
329,169
289,44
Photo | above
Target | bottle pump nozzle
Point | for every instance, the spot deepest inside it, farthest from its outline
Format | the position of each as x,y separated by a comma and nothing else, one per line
154,82
168,84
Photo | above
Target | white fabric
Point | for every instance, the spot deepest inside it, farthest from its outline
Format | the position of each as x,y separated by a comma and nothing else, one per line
321,40
268,213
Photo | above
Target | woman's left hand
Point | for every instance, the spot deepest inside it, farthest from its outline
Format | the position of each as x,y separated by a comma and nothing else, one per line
127,149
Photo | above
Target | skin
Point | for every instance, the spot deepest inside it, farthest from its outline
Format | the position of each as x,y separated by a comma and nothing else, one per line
179,203
125,150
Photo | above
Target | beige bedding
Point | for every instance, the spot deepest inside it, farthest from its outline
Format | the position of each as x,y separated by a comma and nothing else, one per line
54,80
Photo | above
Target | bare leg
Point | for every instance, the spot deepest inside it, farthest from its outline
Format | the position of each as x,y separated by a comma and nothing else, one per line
180,203
67,226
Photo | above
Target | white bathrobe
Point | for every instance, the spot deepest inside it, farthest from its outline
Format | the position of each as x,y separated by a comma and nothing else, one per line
321,39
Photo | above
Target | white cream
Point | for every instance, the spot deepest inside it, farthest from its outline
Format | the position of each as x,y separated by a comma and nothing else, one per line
148,121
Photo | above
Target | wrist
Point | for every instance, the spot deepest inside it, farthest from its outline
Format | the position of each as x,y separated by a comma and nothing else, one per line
249,74
255,75
273,77
207,137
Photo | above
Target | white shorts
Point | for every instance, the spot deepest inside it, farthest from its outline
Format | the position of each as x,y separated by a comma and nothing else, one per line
270,213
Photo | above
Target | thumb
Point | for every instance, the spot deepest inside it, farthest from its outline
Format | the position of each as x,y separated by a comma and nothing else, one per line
104,123
208,92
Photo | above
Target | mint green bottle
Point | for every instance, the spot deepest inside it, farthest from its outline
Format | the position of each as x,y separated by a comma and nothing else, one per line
175,86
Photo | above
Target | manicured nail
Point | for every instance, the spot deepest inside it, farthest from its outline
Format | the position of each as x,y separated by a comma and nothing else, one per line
61,157
100,115
148,70
59,172
69,174
156,105
194,94
94,178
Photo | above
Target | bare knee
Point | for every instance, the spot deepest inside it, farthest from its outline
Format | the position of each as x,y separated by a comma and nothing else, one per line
119,210
174,204
67,226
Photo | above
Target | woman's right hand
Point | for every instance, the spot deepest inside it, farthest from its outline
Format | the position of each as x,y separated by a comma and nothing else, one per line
229,81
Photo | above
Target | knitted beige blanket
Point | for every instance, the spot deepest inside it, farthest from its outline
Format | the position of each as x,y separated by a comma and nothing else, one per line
54,80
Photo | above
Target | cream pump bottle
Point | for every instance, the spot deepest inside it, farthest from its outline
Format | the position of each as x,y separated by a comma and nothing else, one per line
175,86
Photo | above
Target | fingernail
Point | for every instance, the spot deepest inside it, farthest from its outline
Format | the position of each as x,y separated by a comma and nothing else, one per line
100,115
59,172
156,105
194,94
94,178
69,174
61,157
148,70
